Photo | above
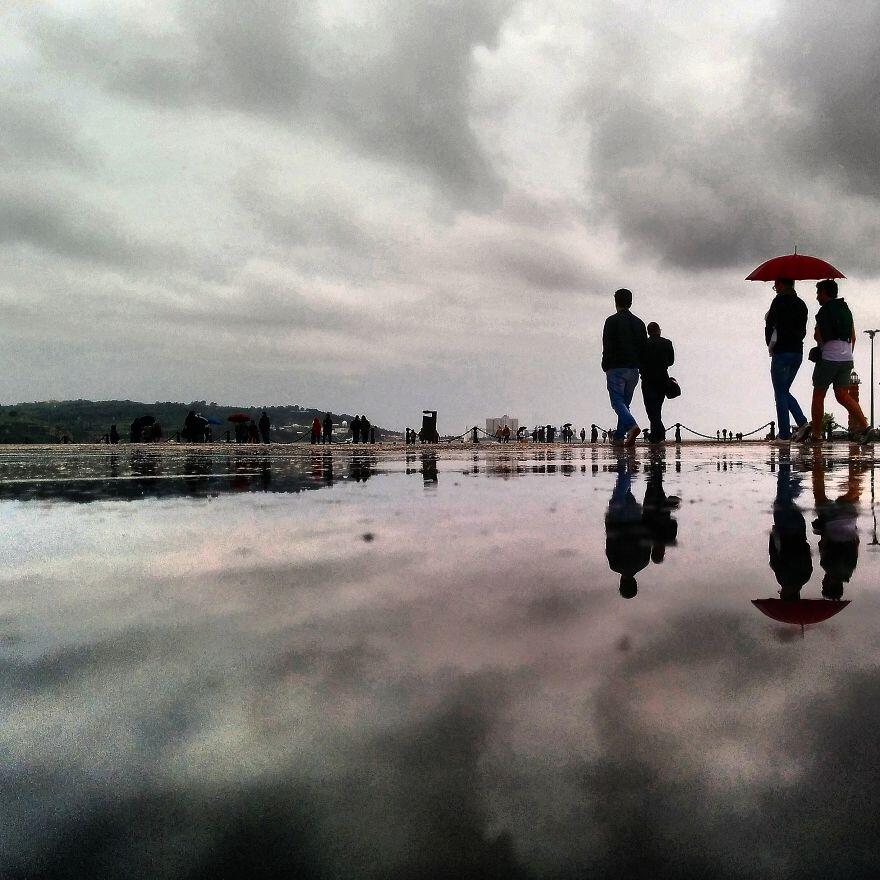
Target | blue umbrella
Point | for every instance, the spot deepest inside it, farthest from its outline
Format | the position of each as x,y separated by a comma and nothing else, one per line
212,421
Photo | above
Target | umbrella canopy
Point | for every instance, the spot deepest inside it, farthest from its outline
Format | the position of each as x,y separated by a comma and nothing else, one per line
798,267
239,417
212,421
800,611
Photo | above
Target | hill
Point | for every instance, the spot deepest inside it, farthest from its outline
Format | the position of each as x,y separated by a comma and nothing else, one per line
85,421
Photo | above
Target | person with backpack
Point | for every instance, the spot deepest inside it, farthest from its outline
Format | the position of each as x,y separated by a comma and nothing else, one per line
624,337
835,336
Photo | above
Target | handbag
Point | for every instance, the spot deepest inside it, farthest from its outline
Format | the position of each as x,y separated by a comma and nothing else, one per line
673,389
815,354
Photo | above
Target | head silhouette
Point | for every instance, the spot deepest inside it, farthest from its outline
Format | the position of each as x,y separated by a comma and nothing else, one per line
623,298
628,586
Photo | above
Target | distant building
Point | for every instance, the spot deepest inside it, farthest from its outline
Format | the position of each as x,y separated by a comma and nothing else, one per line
492,425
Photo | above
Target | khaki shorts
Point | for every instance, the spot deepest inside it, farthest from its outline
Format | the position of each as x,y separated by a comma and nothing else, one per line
836,373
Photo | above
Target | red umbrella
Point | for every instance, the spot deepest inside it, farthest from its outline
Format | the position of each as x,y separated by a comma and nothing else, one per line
800,611
239,417
798,267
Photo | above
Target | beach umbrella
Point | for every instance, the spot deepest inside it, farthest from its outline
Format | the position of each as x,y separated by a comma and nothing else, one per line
239,417
798,267
800,612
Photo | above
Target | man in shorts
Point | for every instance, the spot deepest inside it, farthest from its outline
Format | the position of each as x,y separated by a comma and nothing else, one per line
835,335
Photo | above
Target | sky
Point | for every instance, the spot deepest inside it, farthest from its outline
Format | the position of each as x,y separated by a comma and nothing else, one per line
387,206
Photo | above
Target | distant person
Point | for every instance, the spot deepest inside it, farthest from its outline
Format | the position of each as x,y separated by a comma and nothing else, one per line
836,524
594,434
627,539
835,334
498,433
327,435
718,435
505,434
788,548
604,436
264,425
365,429
316,430
623,343
253,432
241,432
114,434
724,434
584,435
193,430
541,432
551,433
356,429
657,358
785,326
372,433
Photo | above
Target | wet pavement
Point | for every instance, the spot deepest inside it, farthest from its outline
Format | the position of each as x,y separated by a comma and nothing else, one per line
522,663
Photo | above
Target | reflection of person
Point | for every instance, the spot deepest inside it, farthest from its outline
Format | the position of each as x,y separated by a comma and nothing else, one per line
627,538
836,524
657,513
789,550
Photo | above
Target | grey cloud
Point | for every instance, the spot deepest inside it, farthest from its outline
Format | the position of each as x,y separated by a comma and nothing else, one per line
825,58
37,134
398,90
698,186
69,227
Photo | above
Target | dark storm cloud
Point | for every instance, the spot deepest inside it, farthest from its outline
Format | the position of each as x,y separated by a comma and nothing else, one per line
781,153
826,59
396,85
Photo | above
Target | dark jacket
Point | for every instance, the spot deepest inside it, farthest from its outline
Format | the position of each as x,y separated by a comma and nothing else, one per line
623,340
658,357
788,317
834,320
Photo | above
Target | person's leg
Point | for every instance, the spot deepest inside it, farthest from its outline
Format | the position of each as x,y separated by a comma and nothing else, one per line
851,405
779,376
653,402
616,380
822,378
793,362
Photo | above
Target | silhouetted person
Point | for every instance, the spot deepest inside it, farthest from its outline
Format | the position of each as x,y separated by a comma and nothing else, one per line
372,433
328,429
365,429
253,432
551,433
836,524
594,434
657,358
356,429
584,435
724,434
785,326
718,435
241,432
316,430
114,434
788,548
264,425
623,344
835,334
627,539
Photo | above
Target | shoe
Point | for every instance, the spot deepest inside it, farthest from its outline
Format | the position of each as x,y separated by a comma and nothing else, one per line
802,432
631,435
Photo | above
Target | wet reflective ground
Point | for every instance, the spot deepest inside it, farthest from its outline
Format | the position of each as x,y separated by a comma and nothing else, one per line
521,664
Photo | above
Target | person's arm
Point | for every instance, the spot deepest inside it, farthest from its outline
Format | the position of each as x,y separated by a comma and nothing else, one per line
770,323
671,354
606,343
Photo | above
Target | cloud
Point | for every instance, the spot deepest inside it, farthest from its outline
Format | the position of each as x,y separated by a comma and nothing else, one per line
394,84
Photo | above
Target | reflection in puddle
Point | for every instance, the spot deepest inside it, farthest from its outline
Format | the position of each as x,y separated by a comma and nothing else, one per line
345,664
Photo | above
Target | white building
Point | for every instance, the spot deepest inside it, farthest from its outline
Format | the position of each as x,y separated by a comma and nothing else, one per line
492,425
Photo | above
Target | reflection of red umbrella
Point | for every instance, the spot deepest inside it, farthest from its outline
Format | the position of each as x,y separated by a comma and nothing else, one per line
798,267
239,417
800,611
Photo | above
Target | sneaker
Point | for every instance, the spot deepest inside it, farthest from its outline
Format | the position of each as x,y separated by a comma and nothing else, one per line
631,435
802,432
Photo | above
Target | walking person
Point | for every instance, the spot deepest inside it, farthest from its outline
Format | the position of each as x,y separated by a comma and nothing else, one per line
356,429
659,356
835,334
328,429
623,343
785,326
365,429
264,424
316,431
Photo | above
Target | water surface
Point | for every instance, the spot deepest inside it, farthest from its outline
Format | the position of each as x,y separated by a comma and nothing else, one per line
362,665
